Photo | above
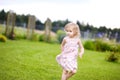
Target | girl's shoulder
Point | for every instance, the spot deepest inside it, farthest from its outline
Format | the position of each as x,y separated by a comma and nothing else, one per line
77,40
66,37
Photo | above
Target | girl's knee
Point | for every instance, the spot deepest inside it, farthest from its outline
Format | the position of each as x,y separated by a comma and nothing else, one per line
65,72
74,71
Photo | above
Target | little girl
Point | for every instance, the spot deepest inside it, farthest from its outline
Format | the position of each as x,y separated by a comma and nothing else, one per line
69,46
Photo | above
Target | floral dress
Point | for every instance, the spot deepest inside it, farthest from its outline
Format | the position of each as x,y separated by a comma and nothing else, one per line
68,58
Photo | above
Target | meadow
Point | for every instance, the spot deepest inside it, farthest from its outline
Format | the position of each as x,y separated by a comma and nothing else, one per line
30,60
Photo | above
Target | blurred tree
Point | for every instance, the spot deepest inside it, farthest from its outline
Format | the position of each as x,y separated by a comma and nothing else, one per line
38,22
102,29
3,16
88,27
21,20
24,18
60,23
80,26
18,20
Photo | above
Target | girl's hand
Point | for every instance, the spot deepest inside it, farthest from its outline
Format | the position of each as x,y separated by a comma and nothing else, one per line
80,55
81,48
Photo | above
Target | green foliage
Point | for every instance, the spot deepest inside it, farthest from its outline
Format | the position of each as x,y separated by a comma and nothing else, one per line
3,38
113,57
20,36
20,33
60,35
117,48
89,45
99,45
35,37
2,29
42,37
54,39
102,46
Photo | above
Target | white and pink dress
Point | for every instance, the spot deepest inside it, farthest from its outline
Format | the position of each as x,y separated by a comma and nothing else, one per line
68,58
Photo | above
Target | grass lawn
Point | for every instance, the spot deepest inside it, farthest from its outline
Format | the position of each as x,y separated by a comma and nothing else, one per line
28,60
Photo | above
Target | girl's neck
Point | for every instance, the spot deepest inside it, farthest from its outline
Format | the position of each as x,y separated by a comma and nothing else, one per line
72,37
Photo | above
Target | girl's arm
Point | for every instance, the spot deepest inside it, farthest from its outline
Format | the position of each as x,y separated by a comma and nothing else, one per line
81,48
63,43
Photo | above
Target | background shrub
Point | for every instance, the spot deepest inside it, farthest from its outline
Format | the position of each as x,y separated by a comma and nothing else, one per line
3,38
118,48
102,46
35,37
20,36
113,57
60,35
54,39
89,45
41,37
114,48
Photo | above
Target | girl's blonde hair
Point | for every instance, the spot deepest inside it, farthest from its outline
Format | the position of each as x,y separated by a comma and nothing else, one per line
75,28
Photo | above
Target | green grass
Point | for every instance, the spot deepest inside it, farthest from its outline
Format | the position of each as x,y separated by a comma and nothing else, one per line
28,60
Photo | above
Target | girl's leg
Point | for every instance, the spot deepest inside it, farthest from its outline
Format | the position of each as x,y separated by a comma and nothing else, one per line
64,75
70,74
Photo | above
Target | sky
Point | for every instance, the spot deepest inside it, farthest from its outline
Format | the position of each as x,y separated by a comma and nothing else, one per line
94,12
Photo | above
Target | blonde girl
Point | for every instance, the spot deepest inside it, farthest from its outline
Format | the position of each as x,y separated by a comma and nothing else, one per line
70,47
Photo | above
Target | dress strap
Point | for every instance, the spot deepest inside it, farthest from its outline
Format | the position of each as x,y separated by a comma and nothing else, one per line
66,38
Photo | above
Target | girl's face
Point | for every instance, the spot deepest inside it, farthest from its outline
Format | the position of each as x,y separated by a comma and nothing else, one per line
69,32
